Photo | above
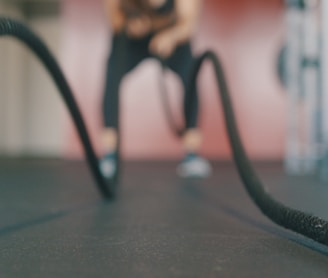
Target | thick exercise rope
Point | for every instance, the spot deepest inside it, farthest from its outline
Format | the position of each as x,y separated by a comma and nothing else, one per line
297,221
9,27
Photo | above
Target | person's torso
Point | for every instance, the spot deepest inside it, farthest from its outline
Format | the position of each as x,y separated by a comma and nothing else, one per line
160,17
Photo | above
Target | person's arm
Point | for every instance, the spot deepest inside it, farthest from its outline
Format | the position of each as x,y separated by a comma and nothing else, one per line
115,15
138,27
135,27
187,12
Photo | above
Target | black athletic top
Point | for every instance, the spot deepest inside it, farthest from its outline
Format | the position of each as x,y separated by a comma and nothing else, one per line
166,8
138,6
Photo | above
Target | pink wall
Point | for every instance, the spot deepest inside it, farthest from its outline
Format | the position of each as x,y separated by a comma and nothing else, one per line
245,33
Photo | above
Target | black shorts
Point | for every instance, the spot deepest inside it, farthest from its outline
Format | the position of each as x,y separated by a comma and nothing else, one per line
125,55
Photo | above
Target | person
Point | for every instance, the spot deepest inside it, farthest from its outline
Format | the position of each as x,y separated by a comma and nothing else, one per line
160,29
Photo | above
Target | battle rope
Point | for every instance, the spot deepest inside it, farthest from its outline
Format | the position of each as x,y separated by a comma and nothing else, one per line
295,220
10,27
298,221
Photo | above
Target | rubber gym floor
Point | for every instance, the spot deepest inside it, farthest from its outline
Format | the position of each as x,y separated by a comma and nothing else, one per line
55,224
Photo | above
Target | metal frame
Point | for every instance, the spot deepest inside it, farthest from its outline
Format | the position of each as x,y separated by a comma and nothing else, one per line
304,146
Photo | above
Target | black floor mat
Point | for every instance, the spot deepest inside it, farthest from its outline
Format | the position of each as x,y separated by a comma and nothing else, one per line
54,223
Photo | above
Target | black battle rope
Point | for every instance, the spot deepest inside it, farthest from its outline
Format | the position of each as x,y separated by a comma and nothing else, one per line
297,221
9,27
308,225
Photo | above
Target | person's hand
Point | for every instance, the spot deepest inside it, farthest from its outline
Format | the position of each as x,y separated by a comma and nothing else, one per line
138,27
162,45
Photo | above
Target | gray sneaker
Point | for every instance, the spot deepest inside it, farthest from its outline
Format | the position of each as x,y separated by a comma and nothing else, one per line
108,165
194,166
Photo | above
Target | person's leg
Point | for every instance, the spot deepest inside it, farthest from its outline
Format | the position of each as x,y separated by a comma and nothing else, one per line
181,62
126,54
116,70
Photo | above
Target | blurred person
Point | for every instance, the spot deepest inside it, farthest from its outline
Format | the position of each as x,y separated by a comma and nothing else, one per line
160,29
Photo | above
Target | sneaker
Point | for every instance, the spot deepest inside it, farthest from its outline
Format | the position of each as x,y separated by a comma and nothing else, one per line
194,166
108,166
